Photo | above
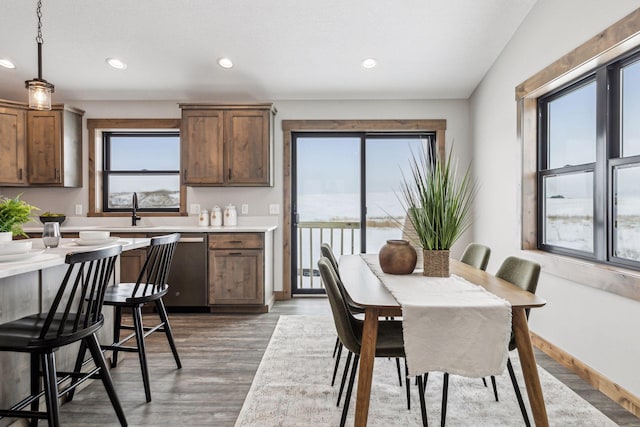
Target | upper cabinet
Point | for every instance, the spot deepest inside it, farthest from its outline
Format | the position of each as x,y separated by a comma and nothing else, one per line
227,145
40,148
54,147
13,143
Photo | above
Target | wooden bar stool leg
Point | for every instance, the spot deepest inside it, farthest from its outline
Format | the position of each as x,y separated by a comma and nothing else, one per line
78,368
142,354
35,385
51,389
162,312
98,358
117,323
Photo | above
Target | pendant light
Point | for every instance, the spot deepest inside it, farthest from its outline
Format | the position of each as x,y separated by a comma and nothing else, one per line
39,89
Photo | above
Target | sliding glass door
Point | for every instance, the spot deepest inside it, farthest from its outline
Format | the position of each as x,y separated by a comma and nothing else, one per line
344,193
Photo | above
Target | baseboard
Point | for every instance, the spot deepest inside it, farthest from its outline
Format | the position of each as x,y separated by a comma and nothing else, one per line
281,296
615,392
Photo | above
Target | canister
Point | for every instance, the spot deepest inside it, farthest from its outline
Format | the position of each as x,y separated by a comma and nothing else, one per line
216,216
230,216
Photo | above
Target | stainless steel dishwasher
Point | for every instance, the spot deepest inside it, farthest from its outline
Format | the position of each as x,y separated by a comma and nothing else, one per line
188,274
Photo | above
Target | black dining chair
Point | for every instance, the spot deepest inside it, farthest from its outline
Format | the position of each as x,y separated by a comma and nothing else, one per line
75,315
150,287
390,341
524,274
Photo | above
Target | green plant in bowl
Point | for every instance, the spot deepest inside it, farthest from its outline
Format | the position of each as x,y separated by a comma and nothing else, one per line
13,214
52,217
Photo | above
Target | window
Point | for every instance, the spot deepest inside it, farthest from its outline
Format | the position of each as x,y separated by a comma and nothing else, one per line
147,163
589,166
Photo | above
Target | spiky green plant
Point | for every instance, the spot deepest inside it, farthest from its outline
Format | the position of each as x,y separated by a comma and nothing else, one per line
13,214
437,199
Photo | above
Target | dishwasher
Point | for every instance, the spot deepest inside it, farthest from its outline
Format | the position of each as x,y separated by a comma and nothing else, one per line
188,275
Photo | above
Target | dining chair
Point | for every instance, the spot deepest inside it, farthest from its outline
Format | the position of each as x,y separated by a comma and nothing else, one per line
390,342
524,274
150,287
327,251
476,255
75,315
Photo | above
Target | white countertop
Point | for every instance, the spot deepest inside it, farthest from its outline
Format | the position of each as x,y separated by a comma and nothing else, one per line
40,258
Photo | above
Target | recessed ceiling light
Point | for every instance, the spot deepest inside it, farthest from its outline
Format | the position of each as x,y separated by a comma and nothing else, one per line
6,63
225,63
369,63
116,63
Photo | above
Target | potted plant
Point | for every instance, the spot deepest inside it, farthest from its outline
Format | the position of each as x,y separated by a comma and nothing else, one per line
438,203
13,214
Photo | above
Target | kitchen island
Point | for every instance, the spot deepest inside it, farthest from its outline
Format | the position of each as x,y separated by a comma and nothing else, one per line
28,286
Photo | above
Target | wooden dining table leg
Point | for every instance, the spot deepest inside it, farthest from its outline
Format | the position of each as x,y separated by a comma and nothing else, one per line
529,367
365,374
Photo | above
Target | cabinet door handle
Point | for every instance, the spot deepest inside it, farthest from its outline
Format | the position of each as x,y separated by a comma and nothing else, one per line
235,253
55,173
20,174
229,173
235,241
184,174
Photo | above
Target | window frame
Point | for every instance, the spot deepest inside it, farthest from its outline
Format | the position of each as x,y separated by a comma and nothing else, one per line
107,171
95,129
616,41
608,123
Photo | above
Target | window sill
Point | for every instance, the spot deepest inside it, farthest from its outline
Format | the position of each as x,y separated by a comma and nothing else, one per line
617,280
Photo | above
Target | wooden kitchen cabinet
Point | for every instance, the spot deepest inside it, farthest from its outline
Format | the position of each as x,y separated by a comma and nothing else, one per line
131,262
54,147
237,271
227,145
13,143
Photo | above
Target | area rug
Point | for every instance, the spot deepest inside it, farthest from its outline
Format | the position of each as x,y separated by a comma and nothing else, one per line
292,388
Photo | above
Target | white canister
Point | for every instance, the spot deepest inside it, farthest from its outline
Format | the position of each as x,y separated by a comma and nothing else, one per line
230,216
216,216
203,219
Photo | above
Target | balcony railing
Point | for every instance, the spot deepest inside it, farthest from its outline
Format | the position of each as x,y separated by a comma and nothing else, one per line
344,238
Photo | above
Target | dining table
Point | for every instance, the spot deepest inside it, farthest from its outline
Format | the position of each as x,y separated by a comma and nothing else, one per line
367,290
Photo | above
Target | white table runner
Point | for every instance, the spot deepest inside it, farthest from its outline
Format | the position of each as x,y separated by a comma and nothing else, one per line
449,324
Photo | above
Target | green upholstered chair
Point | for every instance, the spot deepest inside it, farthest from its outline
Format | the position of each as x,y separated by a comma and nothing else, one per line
390,342
524,274
476,255
327,252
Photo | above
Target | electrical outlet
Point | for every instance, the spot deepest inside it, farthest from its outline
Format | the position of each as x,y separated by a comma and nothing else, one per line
274,209
245,209
194,209
78,209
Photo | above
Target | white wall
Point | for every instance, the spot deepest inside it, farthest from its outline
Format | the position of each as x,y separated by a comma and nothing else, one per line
590,324
454,111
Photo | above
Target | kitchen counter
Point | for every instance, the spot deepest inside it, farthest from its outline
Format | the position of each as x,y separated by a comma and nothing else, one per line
53,257
160,229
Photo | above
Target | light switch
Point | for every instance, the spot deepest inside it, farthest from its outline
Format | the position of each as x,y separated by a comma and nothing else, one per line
245,209
274,209
78,209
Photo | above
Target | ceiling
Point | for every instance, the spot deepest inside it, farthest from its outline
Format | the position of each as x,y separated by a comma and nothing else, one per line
281,49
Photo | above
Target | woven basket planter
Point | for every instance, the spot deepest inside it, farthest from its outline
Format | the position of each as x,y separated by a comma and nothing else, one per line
436,263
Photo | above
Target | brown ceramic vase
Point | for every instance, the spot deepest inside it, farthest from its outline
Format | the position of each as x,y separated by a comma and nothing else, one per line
397,257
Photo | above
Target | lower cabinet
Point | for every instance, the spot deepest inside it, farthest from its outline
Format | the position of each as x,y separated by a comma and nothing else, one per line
237,272
131,262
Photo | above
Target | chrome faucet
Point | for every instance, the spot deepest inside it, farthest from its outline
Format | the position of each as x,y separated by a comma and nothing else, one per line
134,208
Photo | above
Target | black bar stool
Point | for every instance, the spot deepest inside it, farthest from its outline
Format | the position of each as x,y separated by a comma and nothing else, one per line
75,315
150,287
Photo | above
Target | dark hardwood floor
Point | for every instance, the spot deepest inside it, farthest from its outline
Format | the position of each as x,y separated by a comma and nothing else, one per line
220,355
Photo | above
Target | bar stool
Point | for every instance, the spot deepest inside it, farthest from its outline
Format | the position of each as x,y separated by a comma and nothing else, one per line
75,315
150,287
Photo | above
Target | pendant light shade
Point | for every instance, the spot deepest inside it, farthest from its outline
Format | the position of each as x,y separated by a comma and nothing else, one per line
39,89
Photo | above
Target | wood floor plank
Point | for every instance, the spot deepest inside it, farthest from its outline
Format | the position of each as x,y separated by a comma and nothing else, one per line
220,355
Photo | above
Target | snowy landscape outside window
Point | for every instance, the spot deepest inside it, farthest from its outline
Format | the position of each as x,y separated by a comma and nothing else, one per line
589,166
147,163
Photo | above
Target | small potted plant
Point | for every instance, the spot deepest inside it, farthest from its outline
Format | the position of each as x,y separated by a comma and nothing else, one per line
13,214
438,204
